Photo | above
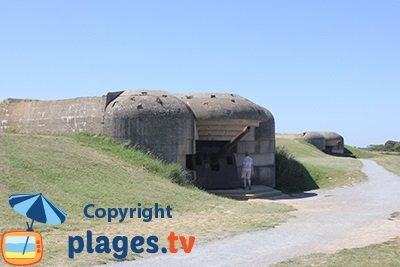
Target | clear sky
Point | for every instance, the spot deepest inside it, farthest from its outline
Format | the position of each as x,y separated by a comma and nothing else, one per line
316,65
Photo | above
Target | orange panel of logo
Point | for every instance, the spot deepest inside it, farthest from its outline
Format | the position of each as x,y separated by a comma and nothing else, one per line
22,248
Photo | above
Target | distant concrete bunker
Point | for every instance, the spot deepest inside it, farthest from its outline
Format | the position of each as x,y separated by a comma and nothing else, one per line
206,133
328,142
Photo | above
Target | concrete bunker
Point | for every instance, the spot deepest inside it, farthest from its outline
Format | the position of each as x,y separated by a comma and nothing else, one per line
151,120
328,142
226,127
206,133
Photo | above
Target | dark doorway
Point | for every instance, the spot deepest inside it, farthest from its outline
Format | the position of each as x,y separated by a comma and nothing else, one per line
213,169
328,149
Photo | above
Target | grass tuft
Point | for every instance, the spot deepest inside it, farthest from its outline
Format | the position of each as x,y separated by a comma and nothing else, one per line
136,157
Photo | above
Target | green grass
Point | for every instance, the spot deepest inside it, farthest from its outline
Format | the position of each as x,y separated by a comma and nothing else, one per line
361,153
386,254
389,160
134,157
291,175
76,170
327,171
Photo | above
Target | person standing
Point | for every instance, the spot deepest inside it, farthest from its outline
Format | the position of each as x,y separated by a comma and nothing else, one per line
247,165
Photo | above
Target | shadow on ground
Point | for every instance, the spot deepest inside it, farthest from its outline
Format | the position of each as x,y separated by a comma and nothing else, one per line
293,196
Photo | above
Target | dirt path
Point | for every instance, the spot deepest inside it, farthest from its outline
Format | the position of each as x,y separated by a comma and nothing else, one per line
326,220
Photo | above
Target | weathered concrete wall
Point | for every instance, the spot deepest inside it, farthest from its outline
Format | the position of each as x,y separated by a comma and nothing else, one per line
335,145
83,114
154,120
167,125
264,151
329,142
221,116
224,130
316,139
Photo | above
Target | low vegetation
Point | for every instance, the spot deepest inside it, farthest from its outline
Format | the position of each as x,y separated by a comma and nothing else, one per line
385,254
136,157
77,170
361,153
305,167
389,146
388,160
292,176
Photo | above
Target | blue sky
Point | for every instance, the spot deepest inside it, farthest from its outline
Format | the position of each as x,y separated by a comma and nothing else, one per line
316,65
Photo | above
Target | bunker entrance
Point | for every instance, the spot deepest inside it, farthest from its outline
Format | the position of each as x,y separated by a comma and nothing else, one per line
214,171
215,164
328,149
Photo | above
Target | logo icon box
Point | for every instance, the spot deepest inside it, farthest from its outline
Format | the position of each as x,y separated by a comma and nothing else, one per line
22,248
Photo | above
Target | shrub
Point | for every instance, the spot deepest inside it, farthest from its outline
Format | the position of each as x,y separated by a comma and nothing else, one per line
389,146
291,176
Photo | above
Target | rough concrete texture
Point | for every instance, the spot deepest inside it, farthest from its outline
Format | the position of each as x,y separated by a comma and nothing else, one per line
83,114
154,120
170,126
214,106
220,116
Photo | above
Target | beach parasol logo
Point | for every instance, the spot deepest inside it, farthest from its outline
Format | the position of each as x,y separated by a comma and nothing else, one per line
22,248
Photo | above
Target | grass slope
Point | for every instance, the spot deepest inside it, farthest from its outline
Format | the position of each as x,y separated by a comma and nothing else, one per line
389,160
327,171
384,254
76,170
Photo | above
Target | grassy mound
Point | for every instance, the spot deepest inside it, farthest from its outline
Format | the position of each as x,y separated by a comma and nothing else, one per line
291,174
77,170
135,157
309,168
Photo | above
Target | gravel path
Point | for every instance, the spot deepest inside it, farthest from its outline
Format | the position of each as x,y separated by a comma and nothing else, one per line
326,220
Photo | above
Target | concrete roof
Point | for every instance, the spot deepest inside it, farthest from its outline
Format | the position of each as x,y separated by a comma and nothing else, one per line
132,103
214,106
320,135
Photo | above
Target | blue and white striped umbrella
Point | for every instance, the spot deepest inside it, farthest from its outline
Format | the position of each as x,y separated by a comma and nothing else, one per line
38,208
